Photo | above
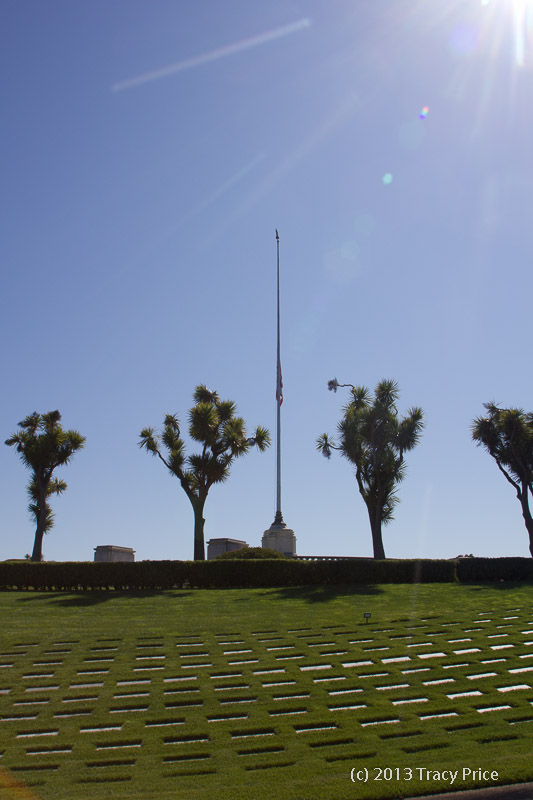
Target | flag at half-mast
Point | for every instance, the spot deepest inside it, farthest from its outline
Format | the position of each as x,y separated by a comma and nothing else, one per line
279,387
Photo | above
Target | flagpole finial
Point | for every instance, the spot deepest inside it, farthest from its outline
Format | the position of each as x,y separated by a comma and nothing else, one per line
277,235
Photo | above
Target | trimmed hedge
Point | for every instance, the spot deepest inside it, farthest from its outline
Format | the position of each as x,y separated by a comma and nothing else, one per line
251,552
157,575
149,575
484,570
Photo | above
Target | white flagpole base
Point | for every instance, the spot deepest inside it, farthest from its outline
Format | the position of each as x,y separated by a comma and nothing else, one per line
281,539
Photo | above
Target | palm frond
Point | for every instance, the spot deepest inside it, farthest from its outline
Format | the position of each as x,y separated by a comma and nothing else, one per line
171,437
176,460
209,469
49,517
148,440
31,423
262,438
361,399
172,422
203,395
507,435
203,422
226,411
386,393
324,445
233,438
410,429
56,486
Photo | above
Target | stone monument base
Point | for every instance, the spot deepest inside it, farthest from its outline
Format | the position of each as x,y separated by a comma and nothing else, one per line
281,539
110,552
215,547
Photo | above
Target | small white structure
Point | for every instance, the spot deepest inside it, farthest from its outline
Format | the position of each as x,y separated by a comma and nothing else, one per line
110,552
281,538
215,547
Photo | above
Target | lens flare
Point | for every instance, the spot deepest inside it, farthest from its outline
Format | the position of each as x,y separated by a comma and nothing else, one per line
424,112
512,18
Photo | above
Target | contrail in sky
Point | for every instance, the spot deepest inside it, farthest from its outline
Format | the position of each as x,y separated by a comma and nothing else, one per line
213,55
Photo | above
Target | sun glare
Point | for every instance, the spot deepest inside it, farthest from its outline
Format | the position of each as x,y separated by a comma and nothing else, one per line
494,28
518,16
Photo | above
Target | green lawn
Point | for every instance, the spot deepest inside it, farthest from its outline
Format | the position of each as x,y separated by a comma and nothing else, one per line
271,694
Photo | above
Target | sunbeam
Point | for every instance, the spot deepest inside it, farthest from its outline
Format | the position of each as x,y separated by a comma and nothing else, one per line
516,15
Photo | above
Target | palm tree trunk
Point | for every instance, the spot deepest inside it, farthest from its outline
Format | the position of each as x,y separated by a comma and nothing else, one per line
42,505
375,526
199,521
526,513
37,554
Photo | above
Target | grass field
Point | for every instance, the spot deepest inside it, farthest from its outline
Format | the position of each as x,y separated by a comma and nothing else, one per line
271,694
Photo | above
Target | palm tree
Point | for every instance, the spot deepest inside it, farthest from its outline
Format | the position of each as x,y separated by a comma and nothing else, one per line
213,423
373,439
43,445
507,434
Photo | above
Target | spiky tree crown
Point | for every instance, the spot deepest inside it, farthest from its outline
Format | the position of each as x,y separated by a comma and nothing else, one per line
374,439
43,445
507,434
214,424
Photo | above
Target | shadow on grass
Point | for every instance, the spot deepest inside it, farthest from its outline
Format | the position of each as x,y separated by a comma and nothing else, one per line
86,599
308,594
501,585
323,594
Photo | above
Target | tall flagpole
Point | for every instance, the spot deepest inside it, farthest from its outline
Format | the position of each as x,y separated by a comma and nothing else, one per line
278,519
279,537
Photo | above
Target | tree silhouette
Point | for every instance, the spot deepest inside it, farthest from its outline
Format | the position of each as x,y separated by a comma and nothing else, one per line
507,434
43,445
212,423
374,440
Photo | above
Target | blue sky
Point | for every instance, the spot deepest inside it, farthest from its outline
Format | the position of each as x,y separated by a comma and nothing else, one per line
139,255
